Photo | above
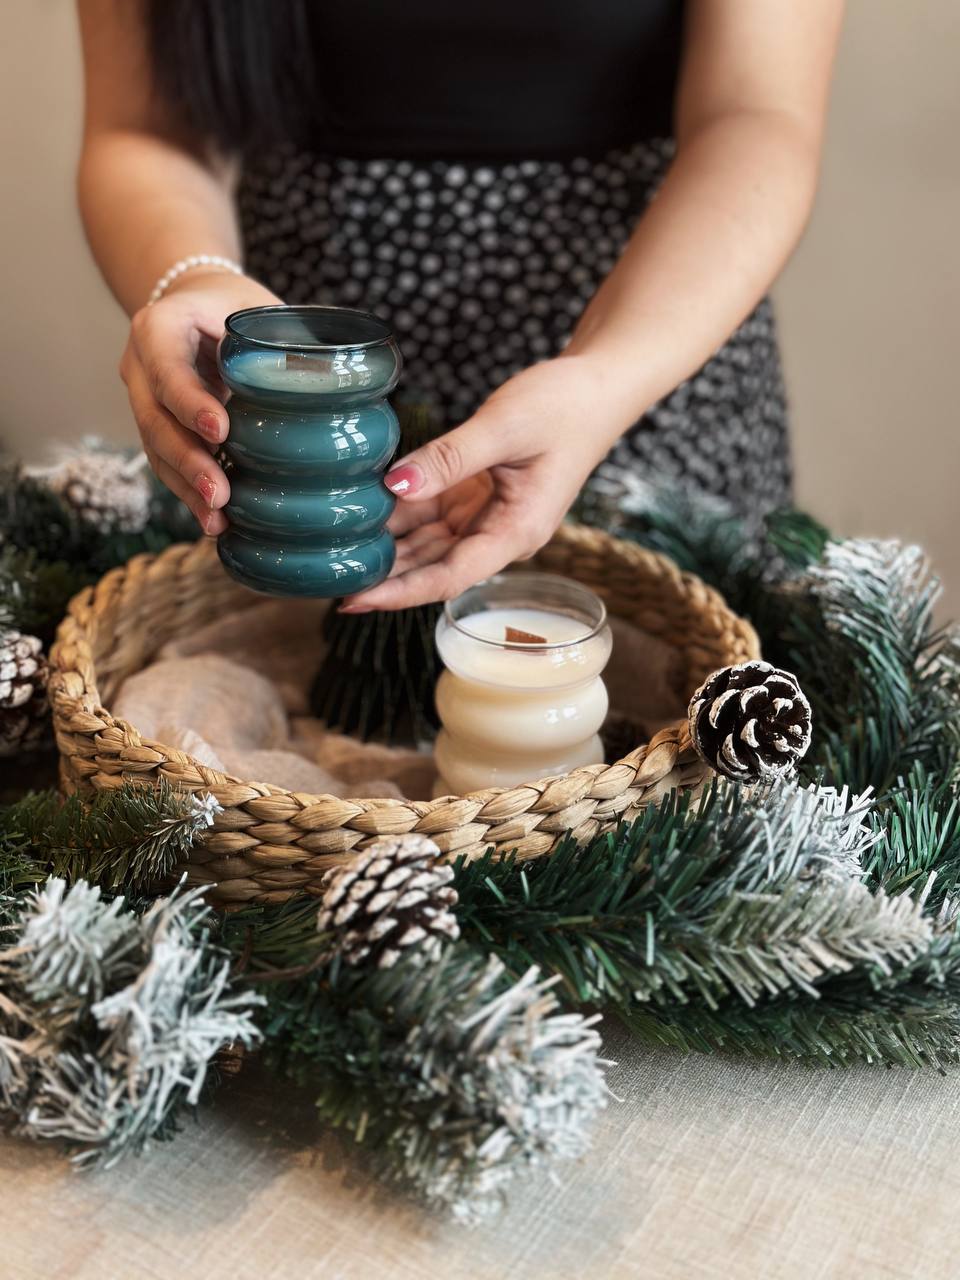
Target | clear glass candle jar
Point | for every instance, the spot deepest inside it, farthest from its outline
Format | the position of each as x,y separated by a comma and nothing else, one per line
311,433
517,710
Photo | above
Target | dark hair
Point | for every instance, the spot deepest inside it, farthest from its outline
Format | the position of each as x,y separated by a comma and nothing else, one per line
236,73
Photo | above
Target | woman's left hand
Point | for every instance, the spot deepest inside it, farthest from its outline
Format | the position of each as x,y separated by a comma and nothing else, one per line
495,489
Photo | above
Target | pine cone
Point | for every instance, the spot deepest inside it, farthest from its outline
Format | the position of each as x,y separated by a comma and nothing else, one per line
750,722
393,896
23,692
107,490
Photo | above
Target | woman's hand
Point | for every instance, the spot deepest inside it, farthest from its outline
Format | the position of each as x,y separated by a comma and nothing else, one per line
170,369
495,489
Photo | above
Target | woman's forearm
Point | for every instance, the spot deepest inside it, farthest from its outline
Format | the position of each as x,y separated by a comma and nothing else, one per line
751,109
149,194
152,193
727,217
146,203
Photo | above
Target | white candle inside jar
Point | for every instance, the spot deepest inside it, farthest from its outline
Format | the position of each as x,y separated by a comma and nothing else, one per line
515,710
295,374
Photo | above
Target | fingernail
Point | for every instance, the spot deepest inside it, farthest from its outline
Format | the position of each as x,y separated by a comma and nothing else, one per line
204,520
209,426
353,608
206,488
404,480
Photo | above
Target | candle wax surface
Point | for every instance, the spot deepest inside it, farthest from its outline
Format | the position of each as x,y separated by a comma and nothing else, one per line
321,375
523,666
556,628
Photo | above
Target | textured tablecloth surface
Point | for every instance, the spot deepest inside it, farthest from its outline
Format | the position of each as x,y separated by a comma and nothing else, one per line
707,1169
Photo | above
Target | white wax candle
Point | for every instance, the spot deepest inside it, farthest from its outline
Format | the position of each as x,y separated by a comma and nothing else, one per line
316,375
559,662
518,712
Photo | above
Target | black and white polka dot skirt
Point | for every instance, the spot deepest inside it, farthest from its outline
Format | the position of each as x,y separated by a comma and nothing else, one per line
484,269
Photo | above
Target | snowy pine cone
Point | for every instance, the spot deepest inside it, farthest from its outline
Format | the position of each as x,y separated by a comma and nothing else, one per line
750,722
23,692
393,896
107,490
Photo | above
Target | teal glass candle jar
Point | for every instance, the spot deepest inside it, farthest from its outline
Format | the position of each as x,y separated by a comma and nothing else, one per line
311,434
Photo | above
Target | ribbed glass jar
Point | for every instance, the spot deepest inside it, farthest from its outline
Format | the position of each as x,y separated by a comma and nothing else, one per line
311,434
522,696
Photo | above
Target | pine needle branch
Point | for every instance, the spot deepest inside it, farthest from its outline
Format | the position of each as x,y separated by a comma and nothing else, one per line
883,680
852,619
109,1020
32,518
127,839
908,1015
739,895
918,846
743,561
457,1074
919,1029
34,594
271,937
19,871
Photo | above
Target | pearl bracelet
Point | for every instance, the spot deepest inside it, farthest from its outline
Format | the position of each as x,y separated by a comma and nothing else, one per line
187,264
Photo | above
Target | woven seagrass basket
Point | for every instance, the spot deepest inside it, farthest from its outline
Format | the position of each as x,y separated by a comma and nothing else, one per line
268,844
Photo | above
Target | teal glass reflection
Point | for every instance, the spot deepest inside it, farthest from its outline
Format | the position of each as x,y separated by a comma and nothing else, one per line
311,434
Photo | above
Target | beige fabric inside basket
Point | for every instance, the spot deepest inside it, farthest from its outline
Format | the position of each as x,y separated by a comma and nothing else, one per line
234,695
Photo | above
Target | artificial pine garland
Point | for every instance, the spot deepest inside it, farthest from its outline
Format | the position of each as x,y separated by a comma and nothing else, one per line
110,1020
456,1074
852,619
33,518
105,490
813,917
60,531
128,841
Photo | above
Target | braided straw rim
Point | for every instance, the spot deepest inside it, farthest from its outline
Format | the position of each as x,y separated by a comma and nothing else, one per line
269,844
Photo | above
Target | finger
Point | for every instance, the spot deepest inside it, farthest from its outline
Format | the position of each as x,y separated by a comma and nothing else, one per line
211,522
426,533
468,502
453,457
426,546
212,383
167,347
209,370
419,547
411,515
470,559
166,439
427,553
459,507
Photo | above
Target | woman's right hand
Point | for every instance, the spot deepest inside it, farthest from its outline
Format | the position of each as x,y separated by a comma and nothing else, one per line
170,370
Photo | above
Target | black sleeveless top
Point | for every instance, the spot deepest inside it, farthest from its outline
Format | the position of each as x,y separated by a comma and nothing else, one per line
472,174
500,78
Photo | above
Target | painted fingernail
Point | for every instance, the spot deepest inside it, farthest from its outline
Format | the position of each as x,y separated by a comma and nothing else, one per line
404,480
209,426
206,488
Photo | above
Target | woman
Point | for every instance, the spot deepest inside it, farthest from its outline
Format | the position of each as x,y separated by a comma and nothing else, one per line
483,178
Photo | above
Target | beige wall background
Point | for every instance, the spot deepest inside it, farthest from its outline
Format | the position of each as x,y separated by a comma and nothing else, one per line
868,306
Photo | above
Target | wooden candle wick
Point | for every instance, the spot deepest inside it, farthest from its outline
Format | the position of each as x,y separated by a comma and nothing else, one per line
300,360
514,635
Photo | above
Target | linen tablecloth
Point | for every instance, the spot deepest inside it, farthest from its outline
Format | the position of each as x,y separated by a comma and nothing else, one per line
708,1168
